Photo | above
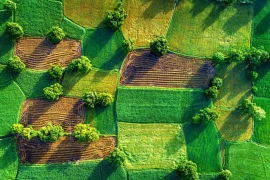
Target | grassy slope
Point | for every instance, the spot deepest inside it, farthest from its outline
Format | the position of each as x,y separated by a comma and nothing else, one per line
8,159
97,80
11,101
153,174
146,19
158,105
152,145
104,48
72,30
6,45
88,13
263,81
201,28
203,146
5,75
249,161
38,16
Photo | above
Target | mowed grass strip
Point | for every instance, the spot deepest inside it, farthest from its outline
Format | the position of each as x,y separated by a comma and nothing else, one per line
202,28
8,159
152,145
153,174
261,24
236,86
248,160
263,81
234,125
143,16
38,16
203,146
10,107
158,105
76,84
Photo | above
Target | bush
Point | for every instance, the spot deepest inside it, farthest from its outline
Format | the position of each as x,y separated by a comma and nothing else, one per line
205,115
252,109
218,58
211,92
51,133
256,56
237,56
187,170
216,82
16,65
252,75
159,46
29,133
17,128
254,89
117,157
115,19
56,72
53,92
228,1
86,133
14,30
55,35
82,64
10,5
225,175
90,98
128,45
105,99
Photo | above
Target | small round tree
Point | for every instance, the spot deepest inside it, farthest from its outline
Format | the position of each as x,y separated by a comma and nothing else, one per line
187,170
128,45
10,5
159,46
254,89
115,19
90,98
105,99
86,133
211,92
17,128
16,65
29,133
14,30
55,35
117,157
237,56
56,72
217,82
51,133
53,92
205,115
225,175
82,64
252,75
218,58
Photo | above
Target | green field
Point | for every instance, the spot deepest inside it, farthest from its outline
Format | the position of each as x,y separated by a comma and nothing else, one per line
10,108
208,26
203,146
8,159
153,174
150,146
72,30
262,82
5,75
152,105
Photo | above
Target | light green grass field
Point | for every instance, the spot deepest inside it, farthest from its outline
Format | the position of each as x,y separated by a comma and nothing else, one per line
263,81
76,84
5,75
249,161
72,30
38,16
203,146
202,28
152,145
153,174
149,105
104,48
10,107
8,159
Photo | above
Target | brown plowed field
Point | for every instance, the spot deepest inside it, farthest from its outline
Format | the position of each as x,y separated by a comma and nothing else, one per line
64,150
39,53
66,112
142,68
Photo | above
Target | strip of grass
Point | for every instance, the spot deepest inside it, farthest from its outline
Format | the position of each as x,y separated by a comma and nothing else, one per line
32,82
249,161
72,30
38,16
153,174
6,44
147,19
263,81
8,159
202,28
203,146
160,105
76,84
236,87
11,103
97,170
261,24
5,75
88,13
152,145
262,127
104,48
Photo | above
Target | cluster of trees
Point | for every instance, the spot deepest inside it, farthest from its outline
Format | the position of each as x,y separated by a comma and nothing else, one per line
253,110
215,85
115,19
93,99
205,115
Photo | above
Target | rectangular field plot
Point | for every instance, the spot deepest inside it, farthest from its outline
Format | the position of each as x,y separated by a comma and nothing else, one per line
66,112
64,150
149,105
263,81
141,68
39,53
152,145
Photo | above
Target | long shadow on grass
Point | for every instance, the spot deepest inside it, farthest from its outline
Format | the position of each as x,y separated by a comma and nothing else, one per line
263,26
213,16
198,6
259,6
10,158
70,80
156,7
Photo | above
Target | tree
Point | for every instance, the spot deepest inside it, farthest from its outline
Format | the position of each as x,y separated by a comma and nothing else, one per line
10,5
117,157
225,175
115,19
252,75
128,45
53,92
237,56
211,92
187,170
252,109
256,56
216,82
159,46
82,64
86,133
56,72
218,58
51,133
90,98
55,35
16,65
105,99
205,115
14,30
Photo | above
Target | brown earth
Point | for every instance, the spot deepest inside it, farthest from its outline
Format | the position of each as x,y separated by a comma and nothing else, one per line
64,150
141,68
39,53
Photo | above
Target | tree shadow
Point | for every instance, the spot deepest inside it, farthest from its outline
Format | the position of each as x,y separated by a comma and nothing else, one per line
213,16
263,26
7,158
6,43
198,7
70,79
259,6
192,131
155,8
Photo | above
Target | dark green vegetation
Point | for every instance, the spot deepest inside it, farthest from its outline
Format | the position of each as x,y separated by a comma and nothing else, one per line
82,64
14,30
159,46
205,115
188,170
93,99
115,19
55,35
56,72
16,65
117,157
